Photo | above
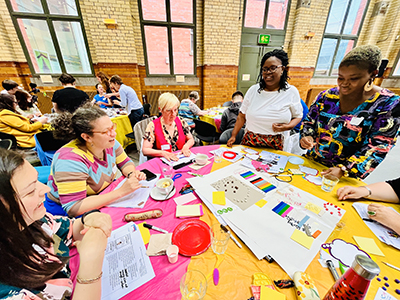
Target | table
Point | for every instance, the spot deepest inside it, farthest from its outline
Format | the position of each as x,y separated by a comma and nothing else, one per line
240,264
123,128
214,118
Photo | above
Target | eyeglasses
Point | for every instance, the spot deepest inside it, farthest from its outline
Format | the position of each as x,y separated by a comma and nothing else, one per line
271,69
108,131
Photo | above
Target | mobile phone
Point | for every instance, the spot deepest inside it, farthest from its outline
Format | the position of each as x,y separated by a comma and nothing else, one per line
149,175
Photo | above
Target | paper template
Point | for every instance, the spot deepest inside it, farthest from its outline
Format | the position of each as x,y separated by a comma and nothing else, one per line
126,265
219,198
302,238
368,245
270,294
185,211
145,232
317,180
308,171
181,200
343,251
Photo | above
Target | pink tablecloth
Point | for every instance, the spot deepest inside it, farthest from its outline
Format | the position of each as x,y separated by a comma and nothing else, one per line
166,283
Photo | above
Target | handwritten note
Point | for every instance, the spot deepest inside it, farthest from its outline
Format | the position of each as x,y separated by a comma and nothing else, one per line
313,208
219,198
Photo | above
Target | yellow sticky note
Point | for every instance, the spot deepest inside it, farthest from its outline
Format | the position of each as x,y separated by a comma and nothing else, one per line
302,238
261,203
145,232
313,208
219,198
270,294
368,245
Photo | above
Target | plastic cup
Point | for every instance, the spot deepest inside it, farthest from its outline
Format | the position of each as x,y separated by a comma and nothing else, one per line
193,285
219,239
217,158
328,182
172,254
167,171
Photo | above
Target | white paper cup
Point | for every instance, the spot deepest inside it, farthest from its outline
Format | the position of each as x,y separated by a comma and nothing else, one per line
201,159
165,185
172,253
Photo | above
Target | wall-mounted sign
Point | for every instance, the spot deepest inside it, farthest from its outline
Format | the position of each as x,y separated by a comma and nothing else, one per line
264,39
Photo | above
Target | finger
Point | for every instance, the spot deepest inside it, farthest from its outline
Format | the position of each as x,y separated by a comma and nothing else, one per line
84,230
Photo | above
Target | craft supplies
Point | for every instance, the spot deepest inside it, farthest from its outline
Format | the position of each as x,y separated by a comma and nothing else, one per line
257,181
331,268
232,237
187,188
149,226
143,215
305,286
284,283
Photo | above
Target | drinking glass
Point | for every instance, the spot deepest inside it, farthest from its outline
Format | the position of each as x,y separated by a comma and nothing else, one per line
193,285
217,157
167,170
328,182
219,239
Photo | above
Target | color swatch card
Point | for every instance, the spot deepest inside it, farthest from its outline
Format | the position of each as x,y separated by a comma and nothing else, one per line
282,209
187,211
257,181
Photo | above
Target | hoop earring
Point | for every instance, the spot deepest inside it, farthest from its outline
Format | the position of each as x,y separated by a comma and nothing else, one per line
368,86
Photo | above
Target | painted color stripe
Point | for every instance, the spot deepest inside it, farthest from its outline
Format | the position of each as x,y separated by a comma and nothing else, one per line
270,188
305,219
278,207
251,176
287,211
256,180
260,183
246,174
284,209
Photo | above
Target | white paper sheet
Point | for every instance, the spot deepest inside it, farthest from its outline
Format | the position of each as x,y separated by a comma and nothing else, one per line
382,295
182,159
138,198
126,265
221,150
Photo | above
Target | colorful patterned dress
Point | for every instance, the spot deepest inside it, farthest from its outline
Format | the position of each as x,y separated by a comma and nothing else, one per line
359,139
60,287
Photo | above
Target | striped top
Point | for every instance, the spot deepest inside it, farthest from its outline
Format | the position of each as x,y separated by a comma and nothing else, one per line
76,173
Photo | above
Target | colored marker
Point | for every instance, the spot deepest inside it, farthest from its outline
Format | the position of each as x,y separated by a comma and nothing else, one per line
154,228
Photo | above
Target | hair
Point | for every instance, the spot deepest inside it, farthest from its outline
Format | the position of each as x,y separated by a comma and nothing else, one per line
66,78
69,126
22,98
237,94
168,101
9,84
22,265
283,57
366,57
104,79
194,95
7,102
97,86
116,79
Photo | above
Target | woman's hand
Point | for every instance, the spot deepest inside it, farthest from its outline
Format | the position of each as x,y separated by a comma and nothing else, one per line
98,220
279,127
386,216
170,156
335,171
140,175
186,151
30,116
231,141
130,185
43,120
92,245
307,142
352,192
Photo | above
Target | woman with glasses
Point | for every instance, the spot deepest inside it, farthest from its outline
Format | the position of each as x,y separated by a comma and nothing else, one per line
350,128
169,132
85,166
271,108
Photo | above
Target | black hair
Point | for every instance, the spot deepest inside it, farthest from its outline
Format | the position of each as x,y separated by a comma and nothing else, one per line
283,57
237,93
9,84
22,98
66,78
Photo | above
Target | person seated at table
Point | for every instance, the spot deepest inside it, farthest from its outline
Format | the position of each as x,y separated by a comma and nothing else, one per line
189,110
167,133
110,93
129,99
88,164
12,122
26,107
351,128
388,191
100,99
69,98
271,108
35,245
228,119
10,87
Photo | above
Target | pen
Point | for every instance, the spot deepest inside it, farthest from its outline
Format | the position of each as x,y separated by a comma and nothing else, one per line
144,187
331,268
369,220
389,265
232,237
149,226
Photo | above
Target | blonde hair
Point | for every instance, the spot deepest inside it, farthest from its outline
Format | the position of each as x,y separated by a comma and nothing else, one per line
366,57
167,101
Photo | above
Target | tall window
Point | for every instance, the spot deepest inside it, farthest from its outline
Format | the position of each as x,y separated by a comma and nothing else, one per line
52,35
169,39
341,34
270,14
396,69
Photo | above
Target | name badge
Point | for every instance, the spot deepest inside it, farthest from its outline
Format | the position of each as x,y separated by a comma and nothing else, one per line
356,121
166,147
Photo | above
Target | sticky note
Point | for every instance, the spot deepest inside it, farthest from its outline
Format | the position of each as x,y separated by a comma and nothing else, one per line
302,238
261,203
313,208
270,294
219,198
181,200
368,245
186,211
145,232
316,234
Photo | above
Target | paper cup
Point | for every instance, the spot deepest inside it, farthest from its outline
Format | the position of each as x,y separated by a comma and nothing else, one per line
201,159
172,254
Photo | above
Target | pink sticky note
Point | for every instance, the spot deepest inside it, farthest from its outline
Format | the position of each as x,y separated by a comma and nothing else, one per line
181,200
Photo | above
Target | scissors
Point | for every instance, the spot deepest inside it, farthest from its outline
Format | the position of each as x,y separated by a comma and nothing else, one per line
176,176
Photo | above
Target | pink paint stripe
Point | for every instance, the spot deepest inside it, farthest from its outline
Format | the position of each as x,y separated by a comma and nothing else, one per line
287,211
201,210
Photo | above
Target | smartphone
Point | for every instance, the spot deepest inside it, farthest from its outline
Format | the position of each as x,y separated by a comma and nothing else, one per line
149,175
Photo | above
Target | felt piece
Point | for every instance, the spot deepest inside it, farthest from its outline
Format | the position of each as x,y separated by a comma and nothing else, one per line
368,245
158,244
302,238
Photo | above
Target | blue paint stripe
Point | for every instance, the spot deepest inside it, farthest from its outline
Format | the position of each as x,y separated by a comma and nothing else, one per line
305,219
278,208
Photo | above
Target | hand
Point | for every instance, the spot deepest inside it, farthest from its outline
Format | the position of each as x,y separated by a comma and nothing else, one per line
140,175
186,152
170,156
335,171
92,245
352,192
108,96
30,116
279,127
307,142
231,141
385,215
43,120
98,220
38,114
130,185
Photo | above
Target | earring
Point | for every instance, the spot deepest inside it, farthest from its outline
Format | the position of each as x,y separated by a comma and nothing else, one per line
368,86
91,144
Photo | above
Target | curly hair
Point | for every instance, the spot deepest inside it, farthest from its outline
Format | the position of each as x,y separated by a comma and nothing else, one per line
366,57
7,102
69,126
22,98
283,57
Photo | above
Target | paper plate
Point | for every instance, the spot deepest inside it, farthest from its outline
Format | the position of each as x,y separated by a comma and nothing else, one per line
192,237
156,195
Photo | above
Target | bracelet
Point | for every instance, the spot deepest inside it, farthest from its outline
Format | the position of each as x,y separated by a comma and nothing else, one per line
369,191
129,174
344,169
89,281
88,213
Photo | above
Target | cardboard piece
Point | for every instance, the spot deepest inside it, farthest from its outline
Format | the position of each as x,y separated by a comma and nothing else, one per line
270,294
302,238
368,245
219,198
187,211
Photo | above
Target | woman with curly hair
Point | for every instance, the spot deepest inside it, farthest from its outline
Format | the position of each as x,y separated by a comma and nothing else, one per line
88,164
271,108
350,128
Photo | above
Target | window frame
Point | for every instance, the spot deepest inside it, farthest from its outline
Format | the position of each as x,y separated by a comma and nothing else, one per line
168,24
49,18
396,62
339,37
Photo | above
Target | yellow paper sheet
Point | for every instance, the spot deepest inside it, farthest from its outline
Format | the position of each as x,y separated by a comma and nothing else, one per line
219,198
368,245
270,294
261,203
145,232
313,208
302,238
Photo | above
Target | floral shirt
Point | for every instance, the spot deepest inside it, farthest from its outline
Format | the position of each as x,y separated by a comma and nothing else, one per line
60,287
150,136
358,139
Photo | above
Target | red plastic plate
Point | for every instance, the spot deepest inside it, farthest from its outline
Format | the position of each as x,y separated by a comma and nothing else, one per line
192,237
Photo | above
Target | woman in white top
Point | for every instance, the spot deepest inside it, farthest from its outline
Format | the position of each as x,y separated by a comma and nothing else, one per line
25,105
271,108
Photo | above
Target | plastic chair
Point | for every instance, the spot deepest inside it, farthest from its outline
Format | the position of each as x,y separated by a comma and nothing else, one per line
6,136
227,104
205,131
46,146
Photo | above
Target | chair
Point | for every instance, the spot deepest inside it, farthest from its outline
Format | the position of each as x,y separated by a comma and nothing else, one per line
139,130
227,104
46,146
205,131
6,144
146,115
6,136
